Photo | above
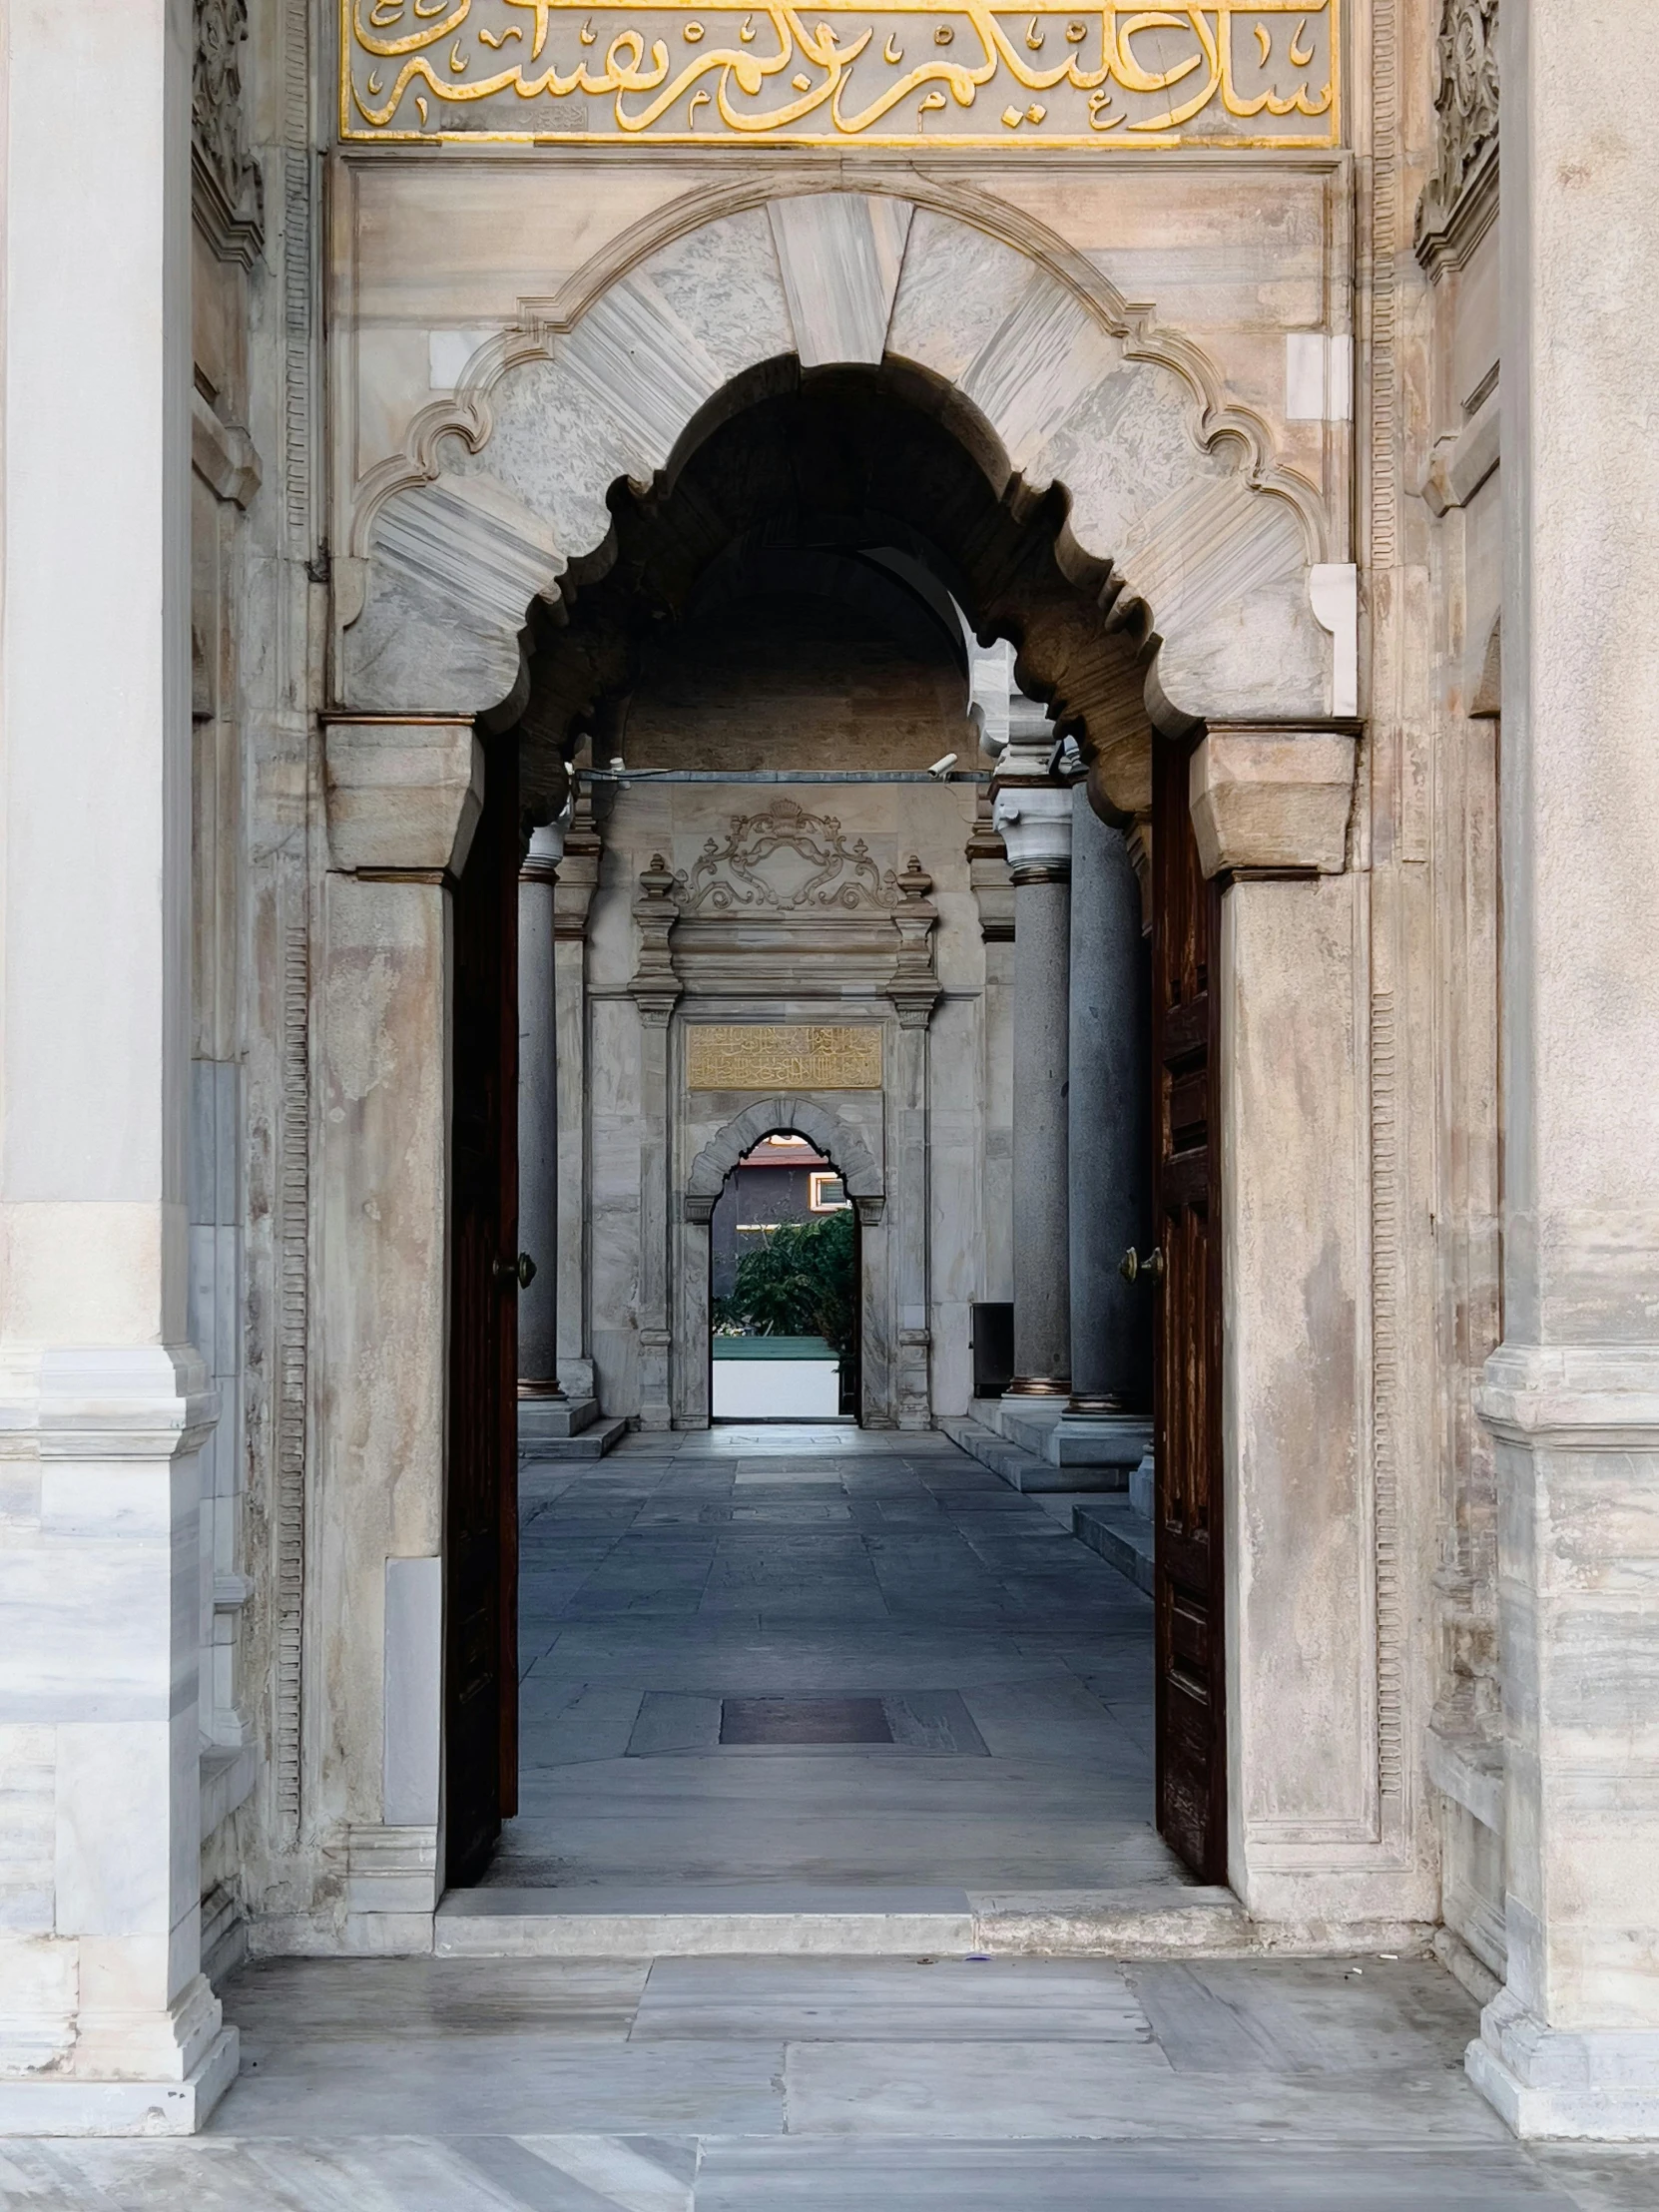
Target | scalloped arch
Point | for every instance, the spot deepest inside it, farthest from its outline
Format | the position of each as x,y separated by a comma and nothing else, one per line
502,486
837,1139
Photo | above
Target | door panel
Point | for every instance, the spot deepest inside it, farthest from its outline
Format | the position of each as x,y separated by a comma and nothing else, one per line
481,1505
1191,1680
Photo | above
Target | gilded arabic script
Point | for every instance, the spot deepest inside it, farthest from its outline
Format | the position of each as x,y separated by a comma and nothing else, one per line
960,70
800,1056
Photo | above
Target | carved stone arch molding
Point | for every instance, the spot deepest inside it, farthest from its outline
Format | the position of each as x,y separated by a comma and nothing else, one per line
834,1138
503,485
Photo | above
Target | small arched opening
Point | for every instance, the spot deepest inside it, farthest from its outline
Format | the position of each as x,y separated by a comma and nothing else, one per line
784,1305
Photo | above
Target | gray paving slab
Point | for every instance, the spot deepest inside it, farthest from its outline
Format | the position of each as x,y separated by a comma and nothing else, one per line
875,2001
841,2086
747,1564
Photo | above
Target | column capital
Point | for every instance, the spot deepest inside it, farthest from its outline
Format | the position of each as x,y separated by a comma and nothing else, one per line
1031,813
1272,798
403,794
541,862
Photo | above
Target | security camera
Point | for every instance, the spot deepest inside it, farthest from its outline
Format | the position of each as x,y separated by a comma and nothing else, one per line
941,769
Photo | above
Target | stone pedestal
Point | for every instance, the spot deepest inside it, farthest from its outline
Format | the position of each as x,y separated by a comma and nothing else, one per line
1106,1142
107,2025
1032,813
1570,2046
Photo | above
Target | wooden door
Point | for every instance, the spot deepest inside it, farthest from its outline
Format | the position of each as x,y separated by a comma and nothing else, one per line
481,1508
1191,1681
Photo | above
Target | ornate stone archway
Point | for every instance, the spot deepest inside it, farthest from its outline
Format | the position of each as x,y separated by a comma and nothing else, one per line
1208,571
1221,560
835,1137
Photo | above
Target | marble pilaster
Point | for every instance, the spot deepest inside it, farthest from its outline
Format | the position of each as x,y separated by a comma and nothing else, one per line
913,990
1571,2044
403,798
655,988
547,1410
107,2022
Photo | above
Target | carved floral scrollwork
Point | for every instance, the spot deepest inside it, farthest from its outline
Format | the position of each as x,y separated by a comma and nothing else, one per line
784,862
1453,212
226,192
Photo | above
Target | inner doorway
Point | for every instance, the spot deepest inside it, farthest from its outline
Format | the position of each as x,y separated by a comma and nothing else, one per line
765,1595
784,1287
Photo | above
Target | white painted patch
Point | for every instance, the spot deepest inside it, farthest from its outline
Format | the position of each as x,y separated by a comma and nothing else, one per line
1334,591
1319,377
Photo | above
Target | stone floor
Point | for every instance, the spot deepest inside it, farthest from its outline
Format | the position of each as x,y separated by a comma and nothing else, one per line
840,2085
977,1687
1004,1670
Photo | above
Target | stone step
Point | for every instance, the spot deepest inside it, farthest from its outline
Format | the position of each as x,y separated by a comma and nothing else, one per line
1021,1470
1160,1919
1032,1456
1122,1536
591,1444
705,1921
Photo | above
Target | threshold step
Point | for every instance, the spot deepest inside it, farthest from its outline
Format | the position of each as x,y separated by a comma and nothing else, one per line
1122,1537
704,1921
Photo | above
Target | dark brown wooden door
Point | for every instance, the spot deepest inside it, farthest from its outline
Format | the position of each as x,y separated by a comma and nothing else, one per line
1191,1681
482,1510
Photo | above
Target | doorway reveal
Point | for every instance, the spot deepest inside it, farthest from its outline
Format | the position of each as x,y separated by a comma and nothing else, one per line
784,1296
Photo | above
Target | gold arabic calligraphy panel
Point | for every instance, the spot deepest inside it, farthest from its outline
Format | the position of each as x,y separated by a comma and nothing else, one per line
798,1056
942,72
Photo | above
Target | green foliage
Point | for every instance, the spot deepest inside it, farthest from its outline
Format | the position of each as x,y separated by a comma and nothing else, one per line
797,1282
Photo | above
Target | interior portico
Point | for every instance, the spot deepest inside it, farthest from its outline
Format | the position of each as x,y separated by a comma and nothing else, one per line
588,635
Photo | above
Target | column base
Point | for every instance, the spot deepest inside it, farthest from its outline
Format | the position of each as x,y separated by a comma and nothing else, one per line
1100,1440
542,1418
64,2105
1544,2083
1039,1386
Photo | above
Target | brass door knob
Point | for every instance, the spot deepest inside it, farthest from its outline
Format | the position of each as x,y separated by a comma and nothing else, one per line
1134,1265
521,1271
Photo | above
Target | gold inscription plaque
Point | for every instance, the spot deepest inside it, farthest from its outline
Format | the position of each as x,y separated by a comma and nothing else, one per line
930,73
803,1056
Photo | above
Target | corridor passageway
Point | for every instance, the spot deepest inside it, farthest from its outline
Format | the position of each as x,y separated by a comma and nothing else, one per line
820,1657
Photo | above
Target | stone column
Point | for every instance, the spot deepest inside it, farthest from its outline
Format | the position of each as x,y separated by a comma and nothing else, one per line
538,1125
655,989
572,895
1032,813
1570,2046
109,2023
402,800
1107,1150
